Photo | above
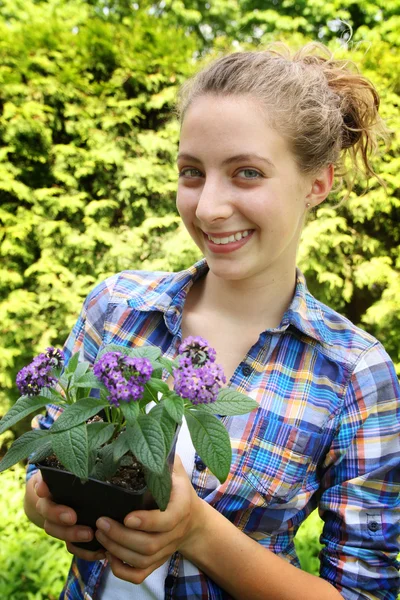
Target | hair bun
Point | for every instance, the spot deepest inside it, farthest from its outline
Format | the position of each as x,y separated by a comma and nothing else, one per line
351,134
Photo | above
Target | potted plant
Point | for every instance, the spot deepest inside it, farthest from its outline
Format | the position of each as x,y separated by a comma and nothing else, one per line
111,450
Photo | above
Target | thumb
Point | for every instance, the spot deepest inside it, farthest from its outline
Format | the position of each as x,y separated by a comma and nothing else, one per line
40,487
178,465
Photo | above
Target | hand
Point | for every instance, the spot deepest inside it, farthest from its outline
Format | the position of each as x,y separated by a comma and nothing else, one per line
59,522
149,538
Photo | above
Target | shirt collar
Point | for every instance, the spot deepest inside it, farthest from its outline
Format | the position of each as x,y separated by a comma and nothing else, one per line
168,297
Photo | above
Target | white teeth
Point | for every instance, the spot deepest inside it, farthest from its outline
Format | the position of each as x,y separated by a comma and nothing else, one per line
232,238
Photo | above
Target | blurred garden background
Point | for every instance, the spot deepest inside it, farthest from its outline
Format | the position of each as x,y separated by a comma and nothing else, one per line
88,180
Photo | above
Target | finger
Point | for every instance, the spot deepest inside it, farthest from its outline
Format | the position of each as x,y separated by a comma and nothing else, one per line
129,573
135,558
57,513
85,554
138,541
177,511
178,465
68,534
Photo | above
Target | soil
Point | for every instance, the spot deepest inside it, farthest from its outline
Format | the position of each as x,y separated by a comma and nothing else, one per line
129,476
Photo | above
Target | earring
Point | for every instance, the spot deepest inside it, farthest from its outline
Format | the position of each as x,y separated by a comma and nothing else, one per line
308,205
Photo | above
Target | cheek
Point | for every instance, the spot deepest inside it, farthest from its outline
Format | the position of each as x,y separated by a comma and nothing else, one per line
186,203
187,210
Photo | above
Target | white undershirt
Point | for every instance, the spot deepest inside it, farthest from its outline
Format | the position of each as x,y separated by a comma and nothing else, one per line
152,588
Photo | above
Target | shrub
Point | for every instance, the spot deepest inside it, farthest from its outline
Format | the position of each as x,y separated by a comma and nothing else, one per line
33,565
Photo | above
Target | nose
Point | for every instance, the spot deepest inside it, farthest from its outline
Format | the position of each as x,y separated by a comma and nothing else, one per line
213,202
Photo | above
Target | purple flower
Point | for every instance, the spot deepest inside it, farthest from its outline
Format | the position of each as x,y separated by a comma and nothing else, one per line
200,385
123,376
197,350
38,374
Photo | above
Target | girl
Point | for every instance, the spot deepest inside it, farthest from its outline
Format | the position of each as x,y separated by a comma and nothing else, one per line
262,133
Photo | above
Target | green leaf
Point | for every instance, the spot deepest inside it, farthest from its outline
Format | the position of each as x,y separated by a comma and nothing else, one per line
152,388
80,370
89,380
25,445
99,434
160,486
108,464
146,442
211,441
167,364
73,363
150,352
42,453
229,403
175,406
130,410
121,445
23,407
156,385
78,413
71,449
168,425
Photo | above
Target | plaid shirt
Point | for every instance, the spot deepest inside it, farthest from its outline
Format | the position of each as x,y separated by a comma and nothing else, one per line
326,434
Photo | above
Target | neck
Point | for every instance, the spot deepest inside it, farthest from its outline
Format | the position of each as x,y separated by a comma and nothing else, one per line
259,302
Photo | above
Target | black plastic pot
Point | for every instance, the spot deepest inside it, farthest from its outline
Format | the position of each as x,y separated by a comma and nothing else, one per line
95,499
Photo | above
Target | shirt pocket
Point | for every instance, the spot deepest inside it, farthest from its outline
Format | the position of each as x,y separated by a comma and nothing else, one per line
279,459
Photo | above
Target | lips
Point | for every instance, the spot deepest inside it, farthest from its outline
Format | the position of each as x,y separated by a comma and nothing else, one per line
228,237
219,245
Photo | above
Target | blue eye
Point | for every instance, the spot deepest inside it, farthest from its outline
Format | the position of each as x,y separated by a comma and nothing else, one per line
250,173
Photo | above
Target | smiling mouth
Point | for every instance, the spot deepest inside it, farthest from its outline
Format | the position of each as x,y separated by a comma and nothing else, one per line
234,237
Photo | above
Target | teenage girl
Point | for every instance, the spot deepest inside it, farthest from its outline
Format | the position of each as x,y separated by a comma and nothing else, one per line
262,135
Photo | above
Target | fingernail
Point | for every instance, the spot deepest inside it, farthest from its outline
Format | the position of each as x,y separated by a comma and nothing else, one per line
133,522
103,524
66,518
100,536
38,480
84,536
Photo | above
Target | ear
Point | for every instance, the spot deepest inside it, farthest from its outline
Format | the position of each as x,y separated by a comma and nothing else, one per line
321,186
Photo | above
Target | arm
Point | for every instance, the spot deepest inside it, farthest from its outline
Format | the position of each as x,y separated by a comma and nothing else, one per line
359,481
238,564
360,485
245,569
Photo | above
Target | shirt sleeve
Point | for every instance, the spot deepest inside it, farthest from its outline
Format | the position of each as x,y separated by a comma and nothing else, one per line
85,338
360,499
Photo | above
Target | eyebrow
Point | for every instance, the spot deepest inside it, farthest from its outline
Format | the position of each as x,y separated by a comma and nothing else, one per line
231,159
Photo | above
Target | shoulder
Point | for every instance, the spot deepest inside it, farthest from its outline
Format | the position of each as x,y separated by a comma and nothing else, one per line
371,374
345,340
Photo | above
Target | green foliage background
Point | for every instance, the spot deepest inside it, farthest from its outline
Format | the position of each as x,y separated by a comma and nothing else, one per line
87,175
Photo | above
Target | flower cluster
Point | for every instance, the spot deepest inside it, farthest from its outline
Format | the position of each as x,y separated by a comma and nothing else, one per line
38,374
198,378
123,376
197,350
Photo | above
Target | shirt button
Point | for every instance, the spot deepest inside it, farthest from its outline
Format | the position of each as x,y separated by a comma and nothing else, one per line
373,526
246,370
200,466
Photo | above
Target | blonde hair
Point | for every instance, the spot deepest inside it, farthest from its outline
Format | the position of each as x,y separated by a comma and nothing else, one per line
324,107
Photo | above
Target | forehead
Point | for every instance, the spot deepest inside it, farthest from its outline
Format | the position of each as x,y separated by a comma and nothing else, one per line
238,124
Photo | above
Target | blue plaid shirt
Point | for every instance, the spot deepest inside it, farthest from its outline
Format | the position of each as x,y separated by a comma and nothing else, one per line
326,434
